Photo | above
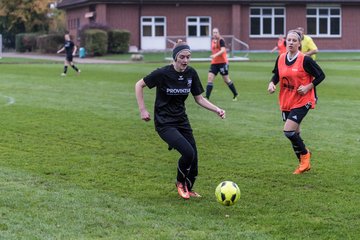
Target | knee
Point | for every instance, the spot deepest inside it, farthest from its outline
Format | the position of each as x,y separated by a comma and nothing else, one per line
189,154
289,134
211,77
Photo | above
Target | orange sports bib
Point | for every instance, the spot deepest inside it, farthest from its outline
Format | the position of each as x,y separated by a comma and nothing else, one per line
291,77
215,47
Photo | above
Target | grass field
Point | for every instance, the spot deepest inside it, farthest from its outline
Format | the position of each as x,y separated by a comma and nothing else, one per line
77,162
253,56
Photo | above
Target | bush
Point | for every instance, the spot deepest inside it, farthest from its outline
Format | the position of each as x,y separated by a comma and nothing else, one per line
25,42
86,27
118,41
95,42
50,43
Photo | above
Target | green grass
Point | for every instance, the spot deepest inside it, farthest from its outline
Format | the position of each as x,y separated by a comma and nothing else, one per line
157,57
23,60
253,56
151,56
77,162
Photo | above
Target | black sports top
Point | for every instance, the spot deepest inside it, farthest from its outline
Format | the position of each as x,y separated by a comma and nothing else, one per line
172,89
69,47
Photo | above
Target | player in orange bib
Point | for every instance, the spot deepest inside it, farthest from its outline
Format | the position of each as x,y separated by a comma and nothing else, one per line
297,76
280,46
219,63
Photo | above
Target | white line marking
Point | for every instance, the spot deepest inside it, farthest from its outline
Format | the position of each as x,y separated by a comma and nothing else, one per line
9,100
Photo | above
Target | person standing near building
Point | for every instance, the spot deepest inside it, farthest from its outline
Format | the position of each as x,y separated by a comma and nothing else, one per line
280,46
70,50
297,76
173,84
219,63
308,46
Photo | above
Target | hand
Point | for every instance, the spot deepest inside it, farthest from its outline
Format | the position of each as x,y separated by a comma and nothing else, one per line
302,90
145,115
271,87
220,113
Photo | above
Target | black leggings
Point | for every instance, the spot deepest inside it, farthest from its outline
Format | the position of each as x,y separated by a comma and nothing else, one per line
183,141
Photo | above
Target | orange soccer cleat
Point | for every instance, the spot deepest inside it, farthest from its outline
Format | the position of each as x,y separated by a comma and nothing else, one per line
304,163
182,190
194,194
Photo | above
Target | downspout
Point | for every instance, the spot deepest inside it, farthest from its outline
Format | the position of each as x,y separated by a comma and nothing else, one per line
139,19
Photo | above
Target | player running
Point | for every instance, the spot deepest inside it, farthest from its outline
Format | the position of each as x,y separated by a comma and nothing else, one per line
70,49
219,63
173,85
298,75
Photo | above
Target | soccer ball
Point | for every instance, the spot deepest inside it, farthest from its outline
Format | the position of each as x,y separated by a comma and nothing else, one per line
227,193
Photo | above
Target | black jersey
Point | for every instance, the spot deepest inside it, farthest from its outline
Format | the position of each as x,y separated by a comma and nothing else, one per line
172,89
69,48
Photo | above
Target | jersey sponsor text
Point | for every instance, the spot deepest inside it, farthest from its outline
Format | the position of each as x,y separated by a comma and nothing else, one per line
177,91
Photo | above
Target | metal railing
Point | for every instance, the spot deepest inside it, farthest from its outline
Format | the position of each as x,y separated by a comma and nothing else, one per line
238,46
237,49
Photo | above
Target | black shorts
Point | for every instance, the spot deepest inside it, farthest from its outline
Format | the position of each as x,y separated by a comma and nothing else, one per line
69,58
223,68
296,114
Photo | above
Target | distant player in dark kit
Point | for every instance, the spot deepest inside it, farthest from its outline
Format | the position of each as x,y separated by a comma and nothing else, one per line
70,49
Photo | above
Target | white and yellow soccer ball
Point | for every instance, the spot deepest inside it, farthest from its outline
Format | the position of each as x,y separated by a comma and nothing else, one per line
227,193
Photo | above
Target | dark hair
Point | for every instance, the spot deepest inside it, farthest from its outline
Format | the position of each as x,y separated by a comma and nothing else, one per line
180,46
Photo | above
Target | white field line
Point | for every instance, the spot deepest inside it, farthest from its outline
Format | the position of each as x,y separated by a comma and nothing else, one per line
9,100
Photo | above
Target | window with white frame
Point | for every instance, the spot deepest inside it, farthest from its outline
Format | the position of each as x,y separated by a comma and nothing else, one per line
267,21
323,21
198,26
153,26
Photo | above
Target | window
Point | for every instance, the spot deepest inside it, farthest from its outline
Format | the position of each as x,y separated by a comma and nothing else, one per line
267,21
74,23
92,18
198,26
323,21
153,26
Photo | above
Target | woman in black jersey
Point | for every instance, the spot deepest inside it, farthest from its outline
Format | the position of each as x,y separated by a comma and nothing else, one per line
173,85
70,50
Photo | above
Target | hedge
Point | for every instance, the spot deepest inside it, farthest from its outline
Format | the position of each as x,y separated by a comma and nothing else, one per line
95,42
26,42
118,41
50,43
